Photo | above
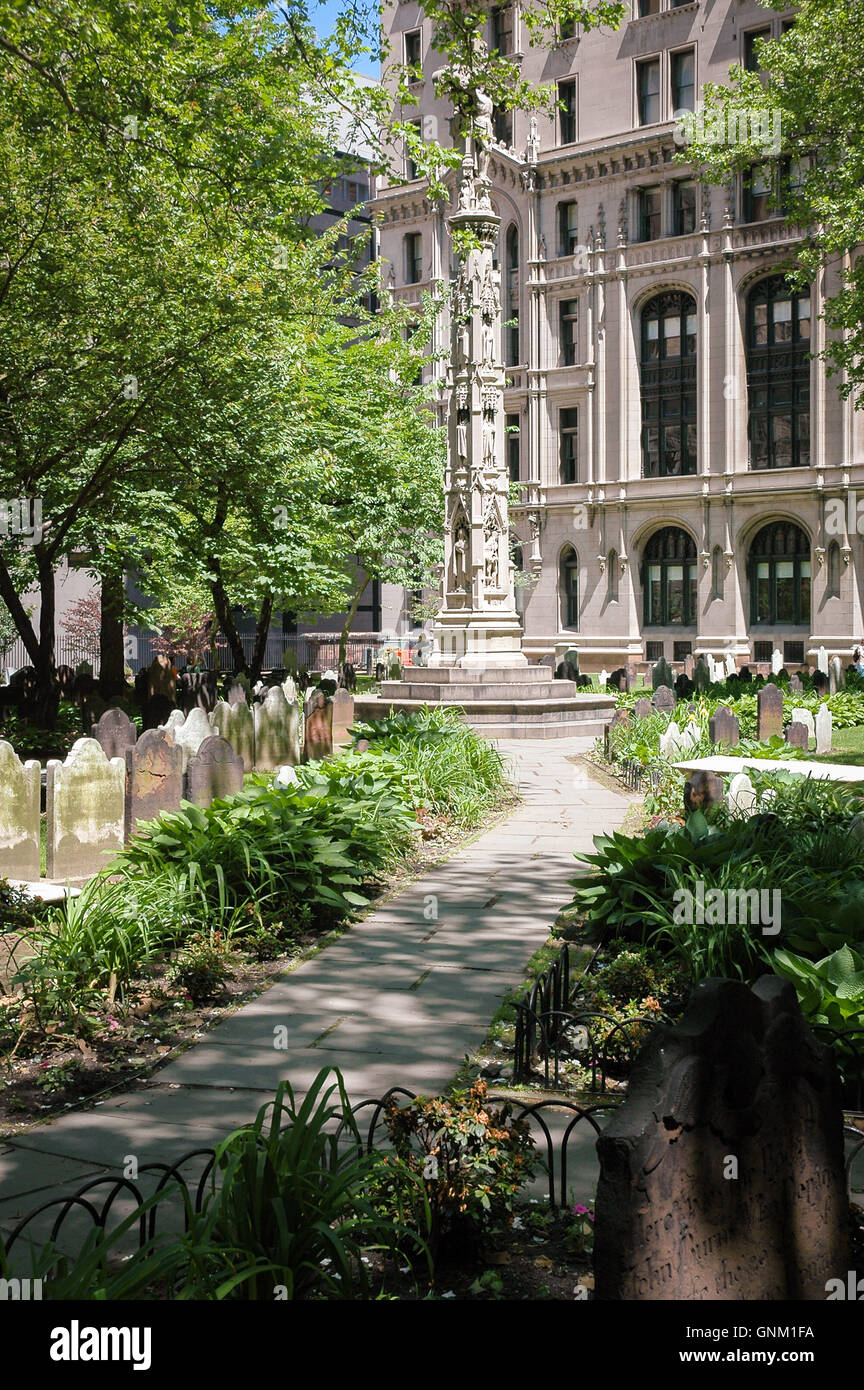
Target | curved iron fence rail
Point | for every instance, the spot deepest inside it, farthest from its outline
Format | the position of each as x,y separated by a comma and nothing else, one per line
600,1041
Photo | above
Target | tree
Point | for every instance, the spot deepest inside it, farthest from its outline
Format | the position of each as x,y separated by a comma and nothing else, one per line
809,89
83,623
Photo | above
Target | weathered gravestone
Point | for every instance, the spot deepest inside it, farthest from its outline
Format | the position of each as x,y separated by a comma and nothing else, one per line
663,698
189,735
618,679
161,679
318,736
565,672
154,778
670,741
661,674
643,708
684,687
776,662
236,724
273,730
114,733
741,795
289,688
823,724
723,727
800,715
702,675
721,1175
689,665
820,683
729,664
797,735
702,791
343,718
348,677
84,804
836,675
157,711
215,770
236,691
769,712
795,685
19,815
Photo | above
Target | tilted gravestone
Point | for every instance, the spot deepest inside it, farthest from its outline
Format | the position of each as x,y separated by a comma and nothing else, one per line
797,735
161,679
721,1175
702,791
84,804
723,727
823,724
154,778
272,730
661,674
642,708
620,720
769,712
343,718
236,724
19,815
114,733
214,771
318,734
663,698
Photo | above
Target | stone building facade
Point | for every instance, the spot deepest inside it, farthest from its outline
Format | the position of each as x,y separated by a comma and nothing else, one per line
688,475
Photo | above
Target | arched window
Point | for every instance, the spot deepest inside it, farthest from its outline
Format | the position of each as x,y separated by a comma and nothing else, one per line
668,382
833,570
716,573
612,577
511,306
569,588
780,575
778,375
518,589
669,579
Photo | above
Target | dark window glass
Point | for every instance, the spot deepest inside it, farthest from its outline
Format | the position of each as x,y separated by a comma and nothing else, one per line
648,91
653,651
668,386
413,258
684,207
513,447
567,112
763,651
793,654
760,194
778,375
779,564
648,7
569,429
568,228
684,81
649,207
411,170
669,579
502,28
681,649
511,305
569,313
412,48
751,38
570,588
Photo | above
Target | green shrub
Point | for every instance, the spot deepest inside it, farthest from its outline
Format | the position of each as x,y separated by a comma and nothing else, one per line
201,969
830,991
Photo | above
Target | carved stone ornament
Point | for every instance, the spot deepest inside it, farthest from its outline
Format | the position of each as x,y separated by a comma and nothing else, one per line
819,552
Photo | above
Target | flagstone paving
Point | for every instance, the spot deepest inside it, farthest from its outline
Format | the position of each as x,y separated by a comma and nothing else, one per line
398,1000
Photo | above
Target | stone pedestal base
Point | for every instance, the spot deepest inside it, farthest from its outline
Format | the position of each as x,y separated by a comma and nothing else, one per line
479,643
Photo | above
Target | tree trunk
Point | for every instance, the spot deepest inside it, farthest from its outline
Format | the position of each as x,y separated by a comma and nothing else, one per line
47,699
226,618
262,629
112,678
349,619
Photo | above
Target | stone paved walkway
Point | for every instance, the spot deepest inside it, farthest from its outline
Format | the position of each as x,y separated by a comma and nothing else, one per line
398,1000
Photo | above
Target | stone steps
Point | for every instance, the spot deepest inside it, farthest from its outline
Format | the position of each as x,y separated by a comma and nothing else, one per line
567,717
455,692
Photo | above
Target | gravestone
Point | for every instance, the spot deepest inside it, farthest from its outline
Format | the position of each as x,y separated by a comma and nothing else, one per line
823,724
795,685
776,662
565,672
618,679
289,689
803,716
213,771
688,740
318,741
292,733
343,718
19,815
156,711
603,678
114,733
236,692
661,674
643,708
836,675
84,804
663,698
161,679
797,736
272,731
702,791
769,712
286,777
154,778
745,675
670,741
684,687
822,660
620,720
631,673
821,683
741,797
723,727
189,735
174,721
701,675
689,665
729,664
721,1175
347,678
236,724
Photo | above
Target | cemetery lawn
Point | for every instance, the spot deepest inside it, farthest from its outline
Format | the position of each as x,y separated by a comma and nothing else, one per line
848,747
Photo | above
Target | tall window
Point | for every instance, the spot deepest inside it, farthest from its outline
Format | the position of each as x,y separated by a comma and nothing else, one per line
413,258
612,577
648,91
716,573
569,331
751,39
760,194
568,421
684,206
778,375
412,48
570,588
780,575
511,423
567,111
502,121
668,385
683,72
669,579
833,588
411,170
648,7
502,28
568,228
512,302
648,214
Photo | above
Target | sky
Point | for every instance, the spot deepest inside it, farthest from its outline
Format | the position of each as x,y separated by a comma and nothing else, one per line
324,14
